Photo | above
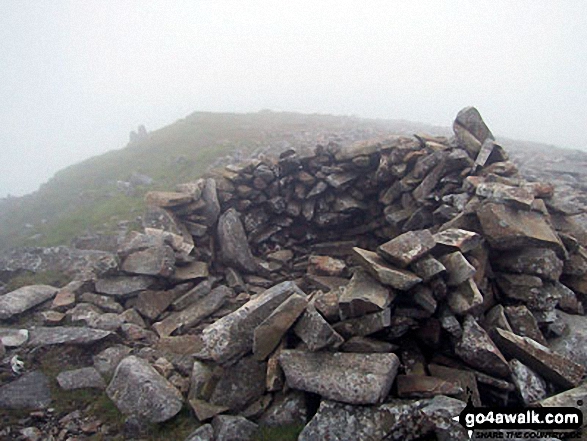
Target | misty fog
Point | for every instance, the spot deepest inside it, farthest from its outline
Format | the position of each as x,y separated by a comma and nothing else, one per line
76,77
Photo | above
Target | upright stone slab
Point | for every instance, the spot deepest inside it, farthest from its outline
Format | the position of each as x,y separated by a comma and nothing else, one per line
349,378
23,299
138,389
234,247
232,335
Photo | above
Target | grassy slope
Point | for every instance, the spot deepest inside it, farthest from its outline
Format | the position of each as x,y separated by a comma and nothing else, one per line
84,197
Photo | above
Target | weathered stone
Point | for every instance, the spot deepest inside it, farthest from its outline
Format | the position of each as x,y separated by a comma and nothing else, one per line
106,361
541,262
478,350
530,386
138,389
326,266
107,322
458,268
384,273
529,290
167,198
192,295
315,332
367,345
349,378
13,338
123,286
21,300
210,197
573,342
495,318
287,410
232,335
204,410
52,317
157,261
507,228
202,381
523,323
465,379
150,304
424,386
66,296
41,336
365,325
576,397
87,377
202,433
270,332
105,303
195,313
424,298
363,295
240,384
427,267
157,218
234,246
191,271
83,313
407,247
545,362
326,303
231,428
31,391
471,131
465,297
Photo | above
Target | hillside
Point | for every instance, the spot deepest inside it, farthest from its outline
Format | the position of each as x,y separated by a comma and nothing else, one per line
85,197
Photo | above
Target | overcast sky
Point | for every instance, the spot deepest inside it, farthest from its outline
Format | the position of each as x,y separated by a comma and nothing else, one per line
76,76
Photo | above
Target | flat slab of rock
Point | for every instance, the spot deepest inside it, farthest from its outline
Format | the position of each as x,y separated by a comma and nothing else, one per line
363,295
383,272
541,262
87,377
315,331
25,298
234,246
31,391
457,239
233,335
45,336
138,389
506,228
548,364
194,270
167,198
195,313
407,247
123,286
155,261
424,386
13,338
479,351
270,332
349,378
365,325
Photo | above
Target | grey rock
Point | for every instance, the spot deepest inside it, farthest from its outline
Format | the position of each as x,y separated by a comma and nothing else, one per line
530,386
458,268
465,297
191,271
315,331
523,323
31,391
202,433
107,360
367,345
157,218
156,261
150,304
365,325
427,267
349,378
167,198
138,389
232,335
541,262
385,273
105,303
233,428
478,350
407,247
21,300
41,336
363,295
471,131
196,293
286,410
13,338
195,313
107,322
234,246
573,343
210,197
87,377
123,286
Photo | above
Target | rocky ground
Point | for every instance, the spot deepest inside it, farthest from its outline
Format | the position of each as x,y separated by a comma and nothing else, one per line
351,291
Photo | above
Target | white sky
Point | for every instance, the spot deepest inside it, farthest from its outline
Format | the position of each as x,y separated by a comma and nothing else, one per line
76,76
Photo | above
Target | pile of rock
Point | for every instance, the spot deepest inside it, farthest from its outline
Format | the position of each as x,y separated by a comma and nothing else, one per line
366,292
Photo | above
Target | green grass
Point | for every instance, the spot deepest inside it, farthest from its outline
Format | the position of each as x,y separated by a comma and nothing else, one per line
283,433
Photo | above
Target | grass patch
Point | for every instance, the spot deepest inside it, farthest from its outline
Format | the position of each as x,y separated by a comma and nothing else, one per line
282,433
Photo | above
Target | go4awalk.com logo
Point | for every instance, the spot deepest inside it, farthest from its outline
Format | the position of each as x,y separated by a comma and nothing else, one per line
527,423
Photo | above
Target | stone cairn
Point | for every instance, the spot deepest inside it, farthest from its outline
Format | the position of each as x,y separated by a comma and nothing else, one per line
366,292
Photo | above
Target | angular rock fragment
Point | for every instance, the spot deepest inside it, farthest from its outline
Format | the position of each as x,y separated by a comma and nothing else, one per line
349,378
427,267
230,428
424,386
315,332
167,198
456,239
464,379
326,266
87,377
523,323
471,131
363,295
150,304
530,386
385,273
541,262
234,246
106,361
138,389
41,336
210,197
287,410
202,433
156,261
232,335
573,342
194,313
270,332
21,300
191,271
407,247
548,364
365,325
13,338
123,286
465,297
479,351
31,391
458,268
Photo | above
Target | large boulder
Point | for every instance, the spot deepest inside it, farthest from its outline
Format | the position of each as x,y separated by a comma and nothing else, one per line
23,299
